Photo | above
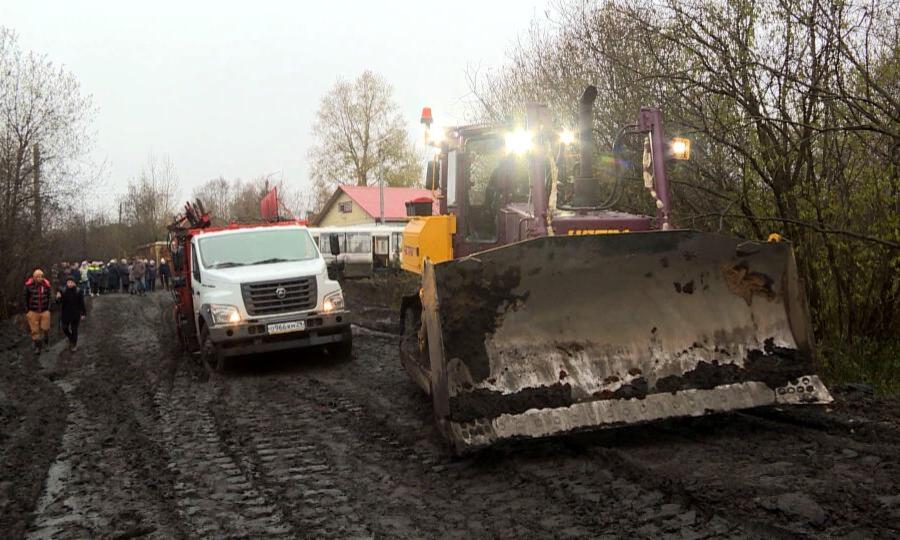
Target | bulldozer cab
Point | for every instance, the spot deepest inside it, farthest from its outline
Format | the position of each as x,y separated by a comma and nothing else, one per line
488,179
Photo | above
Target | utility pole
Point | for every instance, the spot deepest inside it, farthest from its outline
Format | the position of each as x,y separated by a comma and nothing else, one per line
381,200
36,171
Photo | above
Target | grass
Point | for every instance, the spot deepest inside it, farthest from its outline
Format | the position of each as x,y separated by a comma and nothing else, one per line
862,360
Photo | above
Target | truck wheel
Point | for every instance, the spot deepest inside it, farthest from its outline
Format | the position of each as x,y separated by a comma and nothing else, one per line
342,350
212,357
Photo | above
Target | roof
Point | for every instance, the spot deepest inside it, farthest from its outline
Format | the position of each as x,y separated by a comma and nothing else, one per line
368,198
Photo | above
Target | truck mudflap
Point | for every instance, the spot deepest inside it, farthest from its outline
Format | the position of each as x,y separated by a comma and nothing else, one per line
561,334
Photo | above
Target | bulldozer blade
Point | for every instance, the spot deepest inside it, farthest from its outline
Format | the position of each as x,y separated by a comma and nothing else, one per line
567,333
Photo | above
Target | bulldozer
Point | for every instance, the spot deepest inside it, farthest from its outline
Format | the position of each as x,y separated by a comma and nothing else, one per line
544,310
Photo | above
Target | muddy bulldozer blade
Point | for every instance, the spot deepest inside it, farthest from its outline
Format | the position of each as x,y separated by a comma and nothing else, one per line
561,334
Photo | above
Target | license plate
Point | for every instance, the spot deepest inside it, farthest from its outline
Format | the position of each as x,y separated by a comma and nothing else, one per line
285,327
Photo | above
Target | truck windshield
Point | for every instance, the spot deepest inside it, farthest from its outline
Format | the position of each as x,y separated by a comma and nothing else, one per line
261,246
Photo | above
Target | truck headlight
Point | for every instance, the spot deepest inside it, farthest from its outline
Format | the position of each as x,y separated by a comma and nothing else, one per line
333,301
225,314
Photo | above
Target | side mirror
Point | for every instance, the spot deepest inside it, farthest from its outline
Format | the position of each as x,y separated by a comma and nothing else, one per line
335,244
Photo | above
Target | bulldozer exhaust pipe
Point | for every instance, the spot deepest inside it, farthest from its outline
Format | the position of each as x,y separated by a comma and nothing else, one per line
585,183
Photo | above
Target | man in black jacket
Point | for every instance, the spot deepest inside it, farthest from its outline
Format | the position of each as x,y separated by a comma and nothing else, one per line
124,278
73,311
112,277
164,274
37,294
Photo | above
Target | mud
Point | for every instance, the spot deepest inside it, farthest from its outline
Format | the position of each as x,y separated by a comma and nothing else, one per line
777,366
746,283
482,403
129,438
472,298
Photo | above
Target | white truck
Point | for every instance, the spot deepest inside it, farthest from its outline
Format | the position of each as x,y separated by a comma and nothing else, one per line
247,289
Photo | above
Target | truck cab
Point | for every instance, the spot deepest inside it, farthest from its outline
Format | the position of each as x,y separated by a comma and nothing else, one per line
257,289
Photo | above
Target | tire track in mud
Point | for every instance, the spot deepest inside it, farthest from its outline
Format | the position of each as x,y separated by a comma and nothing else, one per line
104,480
298,469
538,489
64,510
213,494
396,491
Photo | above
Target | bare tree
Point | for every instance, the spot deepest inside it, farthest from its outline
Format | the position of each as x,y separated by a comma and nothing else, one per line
149,202
216,195
239,200
361,137
794,110
41,107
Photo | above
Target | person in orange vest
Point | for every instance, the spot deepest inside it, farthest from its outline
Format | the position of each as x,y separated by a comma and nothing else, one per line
38,295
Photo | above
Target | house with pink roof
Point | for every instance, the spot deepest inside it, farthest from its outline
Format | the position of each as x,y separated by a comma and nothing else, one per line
360,205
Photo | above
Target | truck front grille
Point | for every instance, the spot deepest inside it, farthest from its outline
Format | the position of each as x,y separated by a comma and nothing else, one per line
262,298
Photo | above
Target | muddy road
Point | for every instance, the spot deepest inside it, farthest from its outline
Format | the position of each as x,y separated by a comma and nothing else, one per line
129,438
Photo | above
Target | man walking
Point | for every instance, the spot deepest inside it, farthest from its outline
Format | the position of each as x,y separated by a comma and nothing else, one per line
138,273
112,276
73,311
151,276
83,278
164,273
124,276
37,294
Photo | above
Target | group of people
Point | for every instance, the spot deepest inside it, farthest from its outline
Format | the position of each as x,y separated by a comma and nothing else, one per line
139,276
75,282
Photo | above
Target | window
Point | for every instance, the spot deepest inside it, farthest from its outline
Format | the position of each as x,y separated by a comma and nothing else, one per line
345,207
487,178
195,265
257,246
359,243
325,242
398,242
382,245
452,157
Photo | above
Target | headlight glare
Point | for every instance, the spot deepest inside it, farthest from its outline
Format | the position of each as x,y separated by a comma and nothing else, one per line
333,302
225,314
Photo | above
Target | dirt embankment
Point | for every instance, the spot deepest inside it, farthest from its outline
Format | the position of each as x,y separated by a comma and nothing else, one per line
375,302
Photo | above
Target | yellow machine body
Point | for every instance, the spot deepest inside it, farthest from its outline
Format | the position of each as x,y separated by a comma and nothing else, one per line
427,237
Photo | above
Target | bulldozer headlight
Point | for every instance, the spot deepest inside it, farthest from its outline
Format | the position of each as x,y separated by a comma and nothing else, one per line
225,314
567,136
681,148
519,141
333,301
436,135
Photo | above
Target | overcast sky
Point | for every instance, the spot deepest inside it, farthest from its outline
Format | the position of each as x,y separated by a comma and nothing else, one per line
231,88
